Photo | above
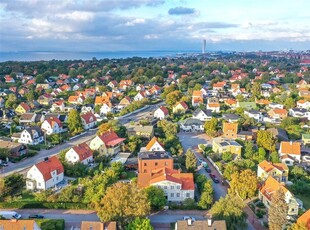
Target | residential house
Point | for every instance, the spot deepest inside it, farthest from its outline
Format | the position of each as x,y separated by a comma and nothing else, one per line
141,131
246,105
52,125
106,108
150,160
305,137
9,79
278,113
208,224
15,149
88,120
220,145
298,112
89,108
140,95
290,148
305,219
230,130
80,153
270,187
180,107
288,160
107,143
27,118
45,174
214,107
232,103
154,145
203,115
155,90
100,100
192,125
22,108
113,84
96,225
305,93
279,133
219,86
278,171
231,117
58,106
124,102
45,99
77,100
273,105
177,186
125,84
303,104
255,114
31,136
16,224
161,113
197,98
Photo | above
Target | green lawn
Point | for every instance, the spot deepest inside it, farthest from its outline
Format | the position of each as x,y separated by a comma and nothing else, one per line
27,196
306,200
131,175
47,224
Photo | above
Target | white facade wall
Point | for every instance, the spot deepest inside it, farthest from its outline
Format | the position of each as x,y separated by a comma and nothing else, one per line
157,147
73,157
159,114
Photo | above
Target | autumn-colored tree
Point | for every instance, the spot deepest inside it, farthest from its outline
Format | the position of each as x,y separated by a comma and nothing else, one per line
230,169
103,128
299,226
122,203
140,224
190,161
278,211
230,209
248,149
266,140
173,97
244,184
211,126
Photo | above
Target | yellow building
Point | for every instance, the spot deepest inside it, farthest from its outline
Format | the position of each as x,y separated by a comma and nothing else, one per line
220,145
22,108
180,107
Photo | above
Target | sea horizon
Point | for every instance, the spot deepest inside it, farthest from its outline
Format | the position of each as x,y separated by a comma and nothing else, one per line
84,55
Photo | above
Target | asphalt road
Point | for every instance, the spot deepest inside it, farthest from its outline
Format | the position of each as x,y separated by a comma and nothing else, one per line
25,164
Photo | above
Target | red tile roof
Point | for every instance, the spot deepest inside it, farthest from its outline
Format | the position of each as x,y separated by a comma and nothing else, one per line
53,120
305,218
47,167
164,109
25,106
110,138
87,117
270,186
83,151
288,147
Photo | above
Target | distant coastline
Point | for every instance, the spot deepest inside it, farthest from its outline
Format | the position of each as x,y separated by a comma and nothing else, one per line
50,55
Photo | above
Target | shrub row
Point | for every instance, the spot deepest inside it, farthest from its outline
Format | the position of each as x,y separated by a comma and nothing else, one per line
58,224
48,205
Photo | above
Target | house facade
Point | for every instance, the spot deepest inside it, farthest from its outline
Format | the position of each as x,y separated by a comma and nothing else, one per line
32,136
80,153
161,113
180,107
203,115
88,120
192,125
290,148
220,145
230,130
45,174
15,149
52,125
278,171
150,160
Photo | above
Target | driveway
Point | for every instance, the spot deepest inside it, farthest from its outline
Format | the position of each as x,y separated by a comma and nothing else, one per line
192,140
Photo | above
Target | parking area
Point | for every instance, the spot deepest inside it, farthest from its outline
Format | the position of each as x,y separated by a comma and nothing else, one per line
192,140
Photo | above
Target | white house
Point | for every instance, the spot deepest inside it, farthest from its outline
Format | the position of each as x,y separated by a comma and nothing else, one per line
177,186
139,96
87,109
298,112
291,149
88,120
154,145
45,175
80,153
257,115
58,106
214,107
52,125
161,113
32,136
192,125
202,115
303,104
105,109
273,105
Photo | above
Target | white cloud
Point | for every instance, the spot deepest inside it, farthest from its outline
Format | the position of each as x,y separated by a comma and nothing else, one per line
151,36
76,16
135,22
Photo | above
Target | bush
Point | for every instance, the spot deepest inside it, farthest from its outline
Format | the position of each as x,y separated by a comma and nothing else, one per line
51,224
48,205
260,204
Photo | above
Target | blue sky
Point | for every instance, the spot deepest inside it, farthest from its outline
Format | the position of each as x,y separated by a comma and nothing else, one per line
129,25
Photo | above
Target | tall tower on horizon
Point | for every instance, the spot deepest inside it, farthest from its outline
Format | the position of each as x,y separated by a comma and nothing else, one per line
204,43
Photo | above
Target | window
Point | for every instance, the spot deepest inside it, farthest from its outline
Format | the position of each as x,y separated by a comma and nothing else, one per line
165,187
178,187
39,184
156,163
187,195
172,187
172,195
145,164
178,194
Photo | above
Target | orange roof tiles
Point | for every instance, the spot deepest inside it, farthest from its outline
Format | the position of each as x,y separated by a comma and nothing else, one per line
110,138
305,218
214,105
288,147
99,100
270,186
151,143
197,93
280,111
164,109
46,167
268,166
53,120
17,224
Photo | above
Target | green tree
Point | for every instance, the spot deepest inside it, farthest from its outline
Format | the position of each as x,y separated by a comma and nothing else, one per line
122,203
256,88
134,144
211,126
278,211
140,224
206,198
261,154
173,97
244,184
74,121
274,157
230,169
11,101
230,209
4,153
156,197
2,187
248,149
266,140
289,103
190,161
227,156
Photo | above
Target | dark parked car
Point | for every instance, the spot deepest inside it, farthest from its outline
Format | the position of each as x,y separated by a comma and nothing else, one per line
215,180
212,175
36,216
4,163
208,170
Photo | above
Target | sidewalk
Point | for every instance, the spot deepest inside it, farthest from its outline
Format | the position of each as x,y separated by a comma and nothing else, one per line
252,218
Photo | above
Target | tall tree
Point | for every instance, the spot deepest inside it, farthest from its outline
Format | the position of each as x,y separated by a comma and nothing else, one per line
156,196
123,202
211,126
248,149
173,97
244,184
140,224
266,140
74,121
278,211
230,209
206,198
261,154
190,161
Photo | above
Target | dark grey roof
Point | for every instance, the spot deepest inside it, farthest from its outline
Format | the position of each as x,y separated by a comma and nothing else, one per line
253,111
300,110
279,133
231,116
34,129
208,112
154,155
191,121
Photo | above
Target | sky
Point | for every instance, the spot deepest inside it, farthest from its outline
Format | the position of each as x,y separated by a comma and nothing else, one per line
153,25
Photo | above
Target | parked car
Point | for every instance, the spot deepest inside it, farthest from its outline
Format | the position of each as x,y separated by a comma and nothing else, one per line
212,175
215,180
208,170
4,163
188,217
36,216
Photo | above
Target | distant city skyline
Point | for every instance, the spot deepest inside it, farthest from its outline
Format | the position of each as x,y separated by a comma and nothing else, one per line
123,25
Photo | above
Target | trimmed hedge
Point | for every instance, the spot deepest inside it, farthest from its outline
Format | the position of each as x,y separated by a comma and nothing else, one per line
48,205
48,224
